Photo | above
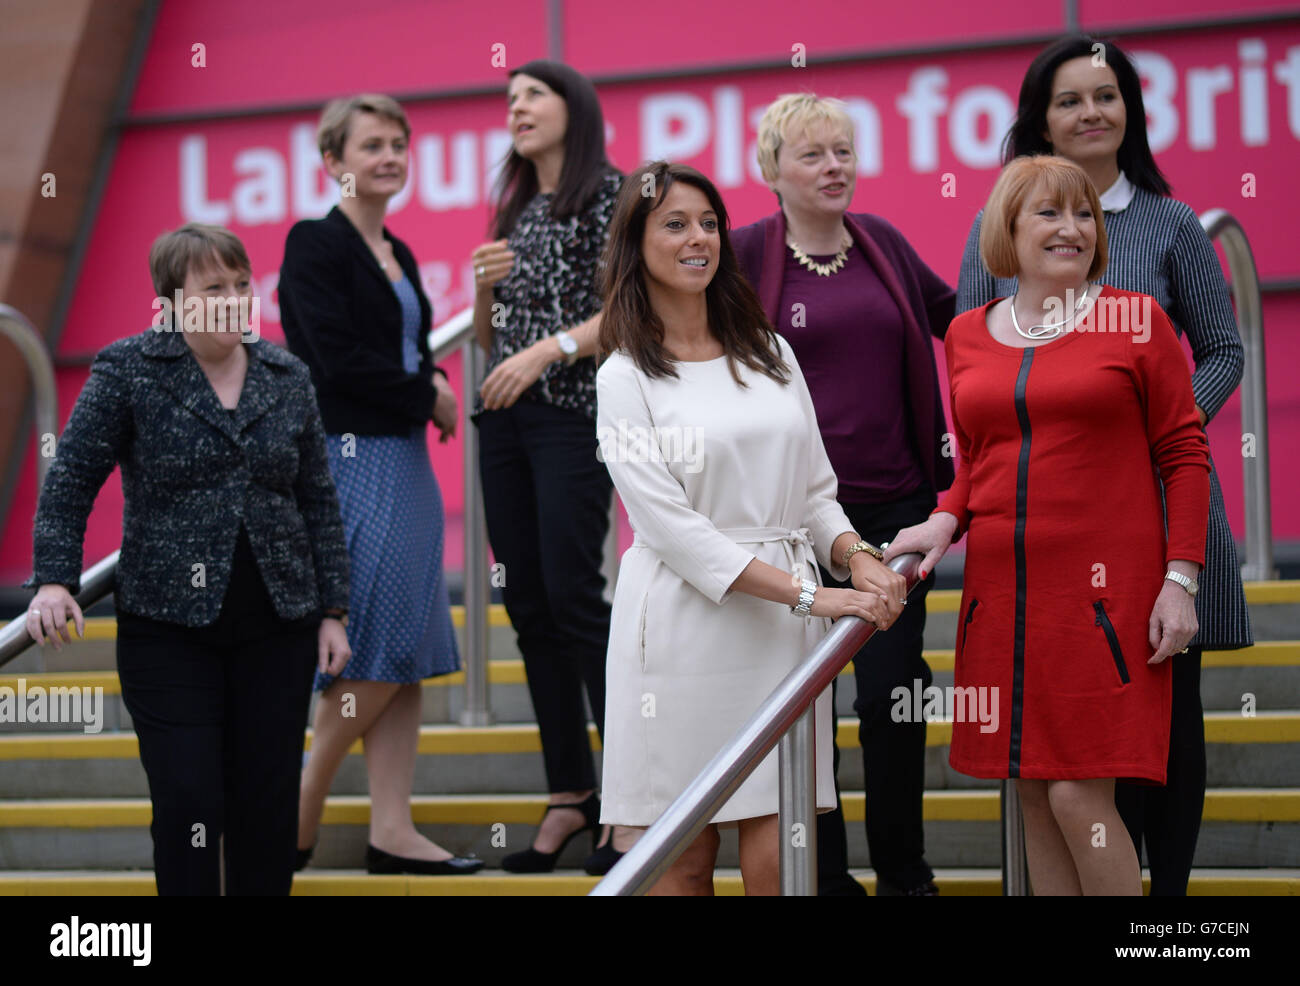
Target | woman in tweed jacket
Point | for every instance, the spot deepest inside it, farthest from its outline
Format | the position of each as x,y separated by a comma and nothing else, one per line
233,577
1093,114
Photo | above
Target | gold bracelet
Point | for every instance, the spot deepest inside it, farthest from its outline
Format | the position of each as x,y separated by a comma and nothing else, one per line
870,549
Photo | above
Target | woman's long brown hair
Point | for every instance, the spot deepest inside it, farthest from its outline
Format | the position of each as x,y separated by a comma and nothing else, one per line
630,323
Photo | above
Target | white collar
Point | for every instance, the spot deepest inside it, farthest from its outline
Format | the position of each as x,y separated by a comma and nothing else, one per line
1119,195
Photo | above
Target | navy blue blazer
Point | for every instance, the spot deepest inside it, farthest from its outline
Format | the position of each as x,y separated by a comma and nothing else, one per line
192,472
341,316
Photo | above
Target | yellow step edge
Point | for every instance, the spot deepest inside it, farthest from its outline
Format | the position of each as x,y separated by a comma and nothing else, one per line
1220,727
1270,805
1265,654
970,883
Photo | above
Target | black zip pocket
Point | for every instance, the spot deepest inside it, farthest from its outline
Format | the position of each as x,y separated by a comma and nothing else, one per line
1112,638
970,612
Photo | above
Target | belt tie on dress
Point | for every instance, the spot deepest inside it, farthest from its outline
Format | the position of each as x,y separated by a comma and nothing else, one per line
798,543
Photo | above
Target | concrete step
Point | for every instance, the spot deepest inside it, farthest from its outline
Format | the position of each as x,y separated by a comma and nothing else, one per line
1267,675
952,882
1274,610
1260,751
1241,827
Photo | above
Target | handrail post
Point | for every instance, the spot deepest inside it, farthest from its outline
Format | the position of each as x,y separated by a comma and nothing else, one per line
16,327
1015,865
797,764
1221,225
477,711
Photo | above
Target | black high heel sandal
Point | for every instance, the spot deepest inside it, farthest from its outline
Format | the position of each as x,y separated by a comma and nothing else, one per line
532,861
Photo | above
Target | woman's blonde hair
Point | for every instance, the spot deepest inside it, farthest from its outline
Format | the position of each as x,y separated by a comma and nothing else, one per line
791,114
1064,182
336,119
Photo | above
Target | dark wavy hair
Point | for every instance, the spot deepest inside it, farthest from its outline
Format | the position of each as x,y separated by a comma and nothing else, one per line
585,164
630,323
1026,134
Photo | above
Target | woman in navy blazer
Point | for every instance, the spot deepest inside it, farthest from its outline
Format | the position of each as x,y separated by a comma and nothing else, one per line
352,307
232,554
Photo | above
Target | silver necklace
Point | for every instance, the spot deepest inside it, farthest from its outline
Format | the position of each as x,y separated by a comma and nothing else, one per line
822,270
1053,329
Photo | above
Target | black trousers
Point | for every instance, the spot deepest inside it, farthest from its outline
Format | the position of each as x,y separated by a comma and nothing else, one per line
546,496
1168,818
220,712
893,753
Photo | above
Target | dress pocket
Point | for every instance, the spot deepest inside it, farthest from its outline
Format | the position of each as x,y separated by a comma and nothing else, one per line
1112,639
970,615
641,628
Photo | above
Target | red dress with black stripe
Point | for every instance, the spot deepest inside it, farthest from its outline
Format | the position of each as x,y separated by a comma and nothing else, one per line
1063,446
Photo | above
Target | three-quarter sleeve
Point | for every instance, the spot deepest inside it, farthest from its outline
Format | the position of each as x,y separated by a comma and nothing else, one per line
1178,444
823,515
96,437
1199,303
319,505
975,285
957,499
317,312
661,514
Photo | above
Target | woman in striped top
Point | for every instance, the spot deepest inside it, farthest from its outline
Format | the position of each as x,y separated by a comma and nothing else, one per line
1076,104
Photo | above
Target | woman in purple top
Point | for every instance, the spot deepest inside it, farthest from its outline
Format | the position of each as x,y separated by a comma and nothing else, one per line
859,307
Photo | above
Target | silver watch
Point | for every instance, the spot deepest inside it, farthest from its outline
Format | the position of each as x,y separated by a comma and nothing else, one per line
807,588
568,346
1188,584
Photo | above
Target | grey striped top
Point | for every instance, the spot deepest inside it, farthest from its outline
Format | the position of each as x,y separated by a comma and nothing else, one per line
1158,247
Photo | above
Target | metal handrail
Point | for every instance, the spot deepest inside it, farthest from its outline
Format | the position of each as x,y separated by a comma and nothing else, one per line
786,716
96,583
1221,225
16,327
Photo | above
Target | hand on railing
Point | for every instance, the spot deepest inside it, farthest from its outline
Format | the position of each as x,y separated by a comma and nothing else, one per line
870,606
930,538
47,616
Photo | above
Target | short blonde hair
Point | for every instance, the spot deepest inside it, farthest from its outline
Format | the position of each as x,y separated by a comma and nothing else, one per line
1064,182
332,131
194,245
795,113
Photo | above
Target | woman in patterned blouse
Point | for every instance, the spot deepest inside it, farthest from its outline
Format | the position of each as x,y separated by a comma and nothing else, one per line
1089,109
545,492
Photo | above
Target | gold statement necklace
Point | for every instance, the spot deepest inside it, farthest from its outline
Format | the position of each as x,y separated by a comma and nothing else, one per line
822,270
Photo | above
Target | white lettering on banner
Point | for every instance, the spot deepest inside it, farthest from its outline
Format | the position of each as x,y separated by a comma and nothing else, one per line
457,170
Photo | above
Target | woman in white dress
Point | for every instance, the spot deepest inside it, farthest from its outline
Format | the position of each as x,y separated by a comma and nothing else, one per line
708,431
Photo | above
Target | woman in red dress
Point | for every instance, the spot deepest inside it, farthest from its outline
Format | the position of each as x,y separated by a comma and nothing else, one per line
1067,398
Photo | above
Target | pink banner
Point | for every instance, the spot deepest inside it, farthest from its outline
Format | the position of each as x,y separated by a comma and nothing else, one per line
1224,119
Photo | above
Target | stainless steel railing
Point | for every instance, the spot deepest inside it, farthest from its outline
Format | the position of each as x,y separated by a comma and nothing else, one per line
1222,226
15,326
786,716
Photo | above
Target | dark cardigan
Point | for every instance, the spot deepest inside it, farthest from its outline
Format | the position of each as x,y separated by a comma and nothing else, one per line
923,299
192,473
341,316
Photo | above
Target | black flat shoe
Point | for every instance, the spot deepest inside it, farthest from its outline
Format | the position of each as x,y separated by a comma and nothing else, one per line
532,861
303,858
603,859
378,861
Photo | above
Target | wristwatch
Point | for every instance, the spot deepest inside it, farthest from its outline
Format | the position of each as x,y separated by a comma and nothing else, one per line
568,346
807,588
1188,584
870,549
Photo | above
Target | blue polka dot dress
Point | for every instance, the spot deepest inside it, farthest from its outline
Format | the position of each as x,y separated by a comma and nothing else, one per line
399,620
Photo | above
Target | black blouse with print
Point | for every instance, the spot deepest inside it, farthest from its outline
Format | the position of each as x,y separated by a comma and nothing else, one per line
553,285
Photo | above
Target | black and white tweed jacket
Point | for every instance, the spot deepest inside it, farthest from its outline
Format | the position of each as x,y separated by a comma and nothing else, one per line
192,472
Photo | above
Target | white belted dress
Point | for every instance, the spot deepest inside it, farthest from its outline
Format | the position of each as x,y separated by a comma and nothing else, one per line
712,475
